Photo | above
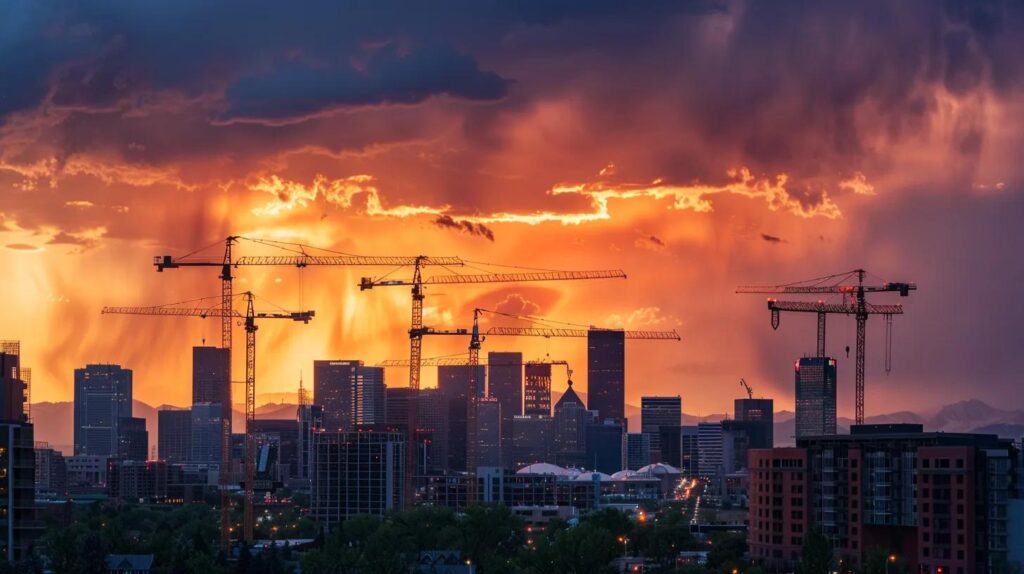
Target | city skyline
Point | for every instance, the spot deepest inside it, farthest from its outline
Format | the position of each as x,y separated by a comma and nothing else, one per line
613,156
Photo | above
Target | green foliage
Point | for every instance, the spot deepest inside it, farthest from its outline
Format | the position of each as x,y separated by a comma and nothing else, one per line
816,554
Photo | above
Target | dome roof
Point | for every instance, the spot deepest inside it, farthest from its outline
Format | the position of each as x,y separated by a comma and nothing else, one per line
546,468
623,474
659,469
593,475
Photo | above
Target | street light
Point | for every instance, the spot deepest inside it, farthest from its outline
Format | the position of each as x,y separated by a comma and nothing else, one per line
891,560
625,546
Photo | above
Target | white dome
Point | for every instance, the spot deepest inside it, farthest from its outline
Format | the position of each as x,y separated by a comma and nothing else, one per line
592,475
659,469
545,468
623,474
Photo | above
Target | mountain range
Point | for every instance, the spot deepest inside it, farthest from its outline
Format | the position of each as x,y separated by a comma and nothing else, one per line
54,421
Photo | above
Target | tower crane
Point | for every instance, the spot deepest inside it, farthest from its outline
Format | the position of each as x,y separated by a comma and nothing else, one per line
299,256
417,330
750,391
250,317
850,286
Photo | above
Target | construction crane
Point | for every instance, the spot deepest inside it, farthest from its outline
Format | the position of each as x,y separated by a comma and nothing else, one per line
750,391
851,287
417,330
250,317
299,256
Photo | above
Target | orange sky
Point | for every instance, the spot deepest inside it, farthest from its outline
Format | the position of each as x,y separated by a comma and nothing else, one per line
695,150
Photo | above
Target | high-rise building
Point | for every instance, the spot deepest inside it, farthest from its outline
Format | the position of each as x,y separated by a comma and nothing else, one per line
280,437
174,435
453,382
937,501
638,450
656,412
532,439
132,439
311,420
689,450
103,396
356,473
18,521
537,392
210,375
488,420
206,433
606,373
350,394
738,437
505,383
671,445
761,413
815,396
432,423
606,446
709,448
571,420
12,382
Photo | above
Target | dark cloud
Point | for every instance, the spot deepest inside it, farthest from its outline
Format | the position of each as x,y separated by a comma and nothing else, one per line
656,240
479,229
772,238
21,247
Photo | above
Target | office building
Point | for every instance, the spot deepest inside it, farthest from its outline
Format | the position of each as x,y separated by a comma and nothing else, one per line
537,392
132,439
432,426
311,420
656,412
638,450
815,396
570,433
350,394
761,411
51,473
606,446
103,396
356,473
689,450
937,501
87,474
453,382
505,383
738,437
488,420
709,448
12,382
278,441
671,445
206,433
19,525
532,439
174,435
211,372
606,373
141,481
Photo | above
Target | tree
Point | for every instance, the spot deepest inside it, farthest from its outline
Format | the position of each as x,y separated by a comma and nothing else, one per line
816,554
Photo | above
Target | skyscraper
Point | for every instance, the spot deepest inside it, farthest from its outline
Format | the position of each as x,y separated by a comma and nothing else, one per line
132,439
350,394
689,450
311,420
638,450
12,382
606,373
606,446
453,382
537,395
505,383
709,448
206,433
656,412
356,473
571,420
103,396
759,413
815,396
18,523
432,423
210,372
174,435
488,420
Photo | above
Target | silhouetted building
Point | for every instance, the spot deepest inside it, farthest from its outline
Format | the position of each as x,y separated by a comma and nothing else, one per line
689,449
532,439
356,473
51,473
211,374
938,501
174,435
505,383
103,396
206,433
488,420
570,434
311,419
368,407
815,396
671,445
606,446
279,437
656,412
141,481
606,373
638,450
760,411
350,394
709,448
738,437
19,526
87,474
132,439
453,382
12,383
537,395
432,423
